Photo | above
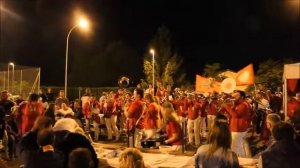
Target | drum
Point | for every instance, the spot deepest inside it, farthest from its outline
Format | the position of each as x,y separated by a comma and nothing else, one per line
151,143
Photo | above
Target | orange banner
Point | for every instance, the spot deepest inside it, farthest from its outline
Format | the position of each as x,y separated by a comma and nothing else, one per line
245,76
207,85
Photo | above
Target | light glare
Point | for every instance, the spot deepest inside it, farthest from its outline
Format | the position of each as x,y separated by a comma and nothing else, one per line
152,51
83,23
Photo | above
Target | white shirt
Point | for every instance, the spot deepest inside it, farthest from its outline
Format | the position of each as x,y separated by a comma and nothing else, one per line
263,104
68,124
65,112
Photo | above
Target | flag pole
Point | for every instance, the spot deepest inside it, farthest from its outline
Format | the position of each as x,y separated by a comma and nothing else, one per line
255,90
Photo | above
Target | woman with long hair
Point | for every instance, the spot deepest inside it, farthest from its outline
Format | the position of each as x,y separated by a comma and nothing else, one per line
217,152
173,129
131,158
151,116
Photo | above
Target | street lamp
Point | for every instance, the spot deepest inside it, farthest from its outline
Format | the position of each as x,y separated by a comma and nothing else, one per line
152,52
84,25
13,76
8,77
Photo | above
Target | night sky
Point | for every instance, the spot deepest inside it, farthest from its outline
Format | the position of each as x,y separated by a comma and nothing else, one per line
33,33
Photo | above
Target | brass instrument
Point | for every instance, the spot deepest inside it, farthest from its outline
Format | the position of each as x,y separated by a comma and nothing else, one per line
228,85
124,82
221,102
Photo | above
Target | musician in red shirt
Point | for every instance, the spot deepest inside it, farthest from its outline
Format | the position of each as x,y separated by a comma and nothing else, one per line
87,113
193,124
111,119
211,107
200,107
151,116
180,109
134,115
239,116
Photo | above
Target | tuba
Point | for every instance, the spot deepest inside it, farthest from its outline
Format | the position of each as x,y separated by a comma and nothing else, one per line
228,85
123,82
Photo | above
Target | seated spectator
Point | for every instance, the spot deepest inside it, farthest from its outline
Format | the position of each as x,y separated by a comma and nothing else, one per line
221,117
272,120
173,129
80,158
217,152
131,158
46,156
64,111
29,141
284,152
50,111
70,136
77,109
67,124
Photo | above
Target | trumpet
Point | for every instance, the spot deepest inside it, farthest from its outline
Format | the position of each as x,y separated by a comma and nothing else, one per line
222,102
227,100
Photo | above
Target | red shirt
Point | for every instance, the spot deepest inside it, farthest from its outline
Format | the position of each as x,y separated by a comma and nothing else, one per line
151,117
239,121
212,107
293,107
192,113
202,104
117,106
86,110
31,111
178,106
173,127
134,112
160,92
108,111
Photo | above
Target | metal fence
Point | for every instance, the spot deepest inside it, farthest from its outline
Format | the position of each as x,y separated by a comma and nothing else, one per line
77,92
18,79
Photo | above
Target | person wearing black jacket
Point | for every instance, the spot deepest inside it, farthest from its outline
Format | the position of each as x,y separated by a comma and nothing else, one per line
67,141
285,152
45,156
28,142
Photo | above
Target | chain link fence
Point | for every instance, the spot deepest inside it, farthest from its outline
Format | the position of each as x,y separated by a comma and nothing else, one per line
19,80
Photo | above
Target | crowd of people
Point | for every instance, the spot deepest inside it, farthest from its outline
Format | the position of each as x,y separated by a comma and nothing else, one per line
54,130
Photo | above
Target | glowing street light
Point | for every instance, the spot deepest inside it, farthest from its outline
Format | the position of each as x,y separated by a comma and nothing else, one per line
13,65
13,76
83,24
152,52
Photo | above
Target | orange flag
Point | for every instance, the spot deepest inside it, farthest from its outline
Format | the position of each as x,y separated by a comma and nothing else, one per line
206,85
245,76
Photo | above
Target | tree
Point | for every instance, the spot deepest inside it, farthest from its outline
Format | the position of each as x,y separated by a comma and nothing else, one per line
269,74
213,70
167,62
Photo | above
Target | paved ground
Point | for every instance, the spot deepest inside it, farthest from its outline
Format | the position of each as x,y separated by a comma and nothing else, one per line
254,143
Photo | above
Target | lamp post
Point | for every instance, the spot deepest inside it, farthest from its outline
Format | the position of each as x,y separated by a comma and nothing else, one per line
13,76
8,77
82,24
152,52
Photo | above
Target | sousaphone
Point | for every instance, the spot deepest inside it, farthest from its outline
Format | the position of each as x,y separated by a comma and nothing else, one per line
123,82
228,85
